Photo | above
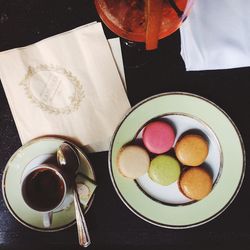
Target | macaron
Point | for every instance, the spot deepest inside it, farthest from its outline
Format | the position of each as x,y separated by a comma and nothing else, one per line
191,150
195,183
133,161
158,137
164,170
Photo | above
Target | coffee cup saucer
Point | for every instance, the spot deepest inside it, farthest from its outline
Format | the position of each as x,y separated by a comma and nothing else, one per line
24,159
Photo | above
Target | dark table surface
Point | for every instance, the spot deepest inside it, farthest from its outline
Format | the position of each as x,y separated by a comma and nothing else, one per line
111,224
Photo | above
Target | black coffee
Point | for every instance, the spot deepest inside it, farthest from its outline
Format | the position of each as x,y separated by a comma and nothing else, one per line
43,189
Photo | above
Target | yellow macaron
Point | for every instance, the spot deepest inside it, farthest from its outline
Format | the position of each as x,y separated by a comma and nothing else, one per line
195,183
191,150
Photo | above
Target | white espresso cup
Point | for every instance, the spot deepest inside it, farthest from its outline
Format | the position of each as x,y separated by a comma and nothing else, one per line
44,189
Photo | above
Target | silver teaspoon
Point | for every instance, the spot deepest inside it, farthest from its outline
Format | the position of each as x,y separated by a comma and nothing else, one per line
68,159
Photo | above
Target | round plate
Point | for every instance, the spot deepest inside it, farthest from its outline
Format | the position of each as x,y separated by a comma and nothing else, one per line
34,152
231,173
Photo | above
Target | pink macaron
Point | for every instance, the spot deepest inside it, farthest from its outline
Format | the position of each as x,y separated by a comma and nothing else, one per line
158,137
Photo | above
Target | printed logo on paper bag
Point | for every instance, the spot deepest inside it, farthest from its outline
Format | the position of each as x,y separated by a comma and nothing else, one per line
53,89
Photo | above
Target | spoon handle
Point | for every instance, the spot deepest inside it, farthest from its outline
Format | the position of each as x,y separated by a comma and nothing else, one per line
83,234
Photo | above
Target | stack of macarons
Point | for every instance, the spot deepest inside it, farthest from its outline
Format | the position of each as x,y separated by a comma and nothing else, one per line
164,167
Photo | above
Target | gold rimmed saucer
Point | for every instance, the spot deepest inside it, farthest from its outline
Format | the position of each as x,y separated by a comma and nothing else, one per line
31,153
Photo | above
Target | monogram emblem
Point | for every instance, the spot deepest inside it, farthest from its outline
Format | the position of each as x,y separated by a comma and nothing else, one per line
53,89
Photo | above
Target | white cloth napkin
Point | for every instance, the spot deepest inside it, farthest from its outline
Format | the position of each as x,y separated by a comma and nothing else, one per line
216,35
67,85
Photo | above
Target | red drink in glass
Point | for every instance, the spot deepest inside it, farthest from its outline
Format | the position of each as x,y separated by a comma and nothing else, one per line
128,18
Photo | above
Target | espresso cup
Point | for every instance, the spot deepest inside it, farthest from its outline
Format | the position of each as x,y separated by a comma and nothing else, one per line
44,189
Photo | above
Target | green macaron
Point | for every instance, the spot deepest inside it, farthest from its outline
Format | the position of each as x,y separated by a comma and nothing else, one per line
164,170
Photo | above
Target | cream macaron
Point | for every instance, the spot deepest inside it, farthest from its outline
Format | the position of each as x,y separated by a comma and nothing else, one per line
133,161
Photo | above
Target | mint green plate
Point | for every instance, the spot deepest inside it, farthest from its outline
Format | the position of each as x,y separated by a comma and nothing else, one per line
34,151
231,173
